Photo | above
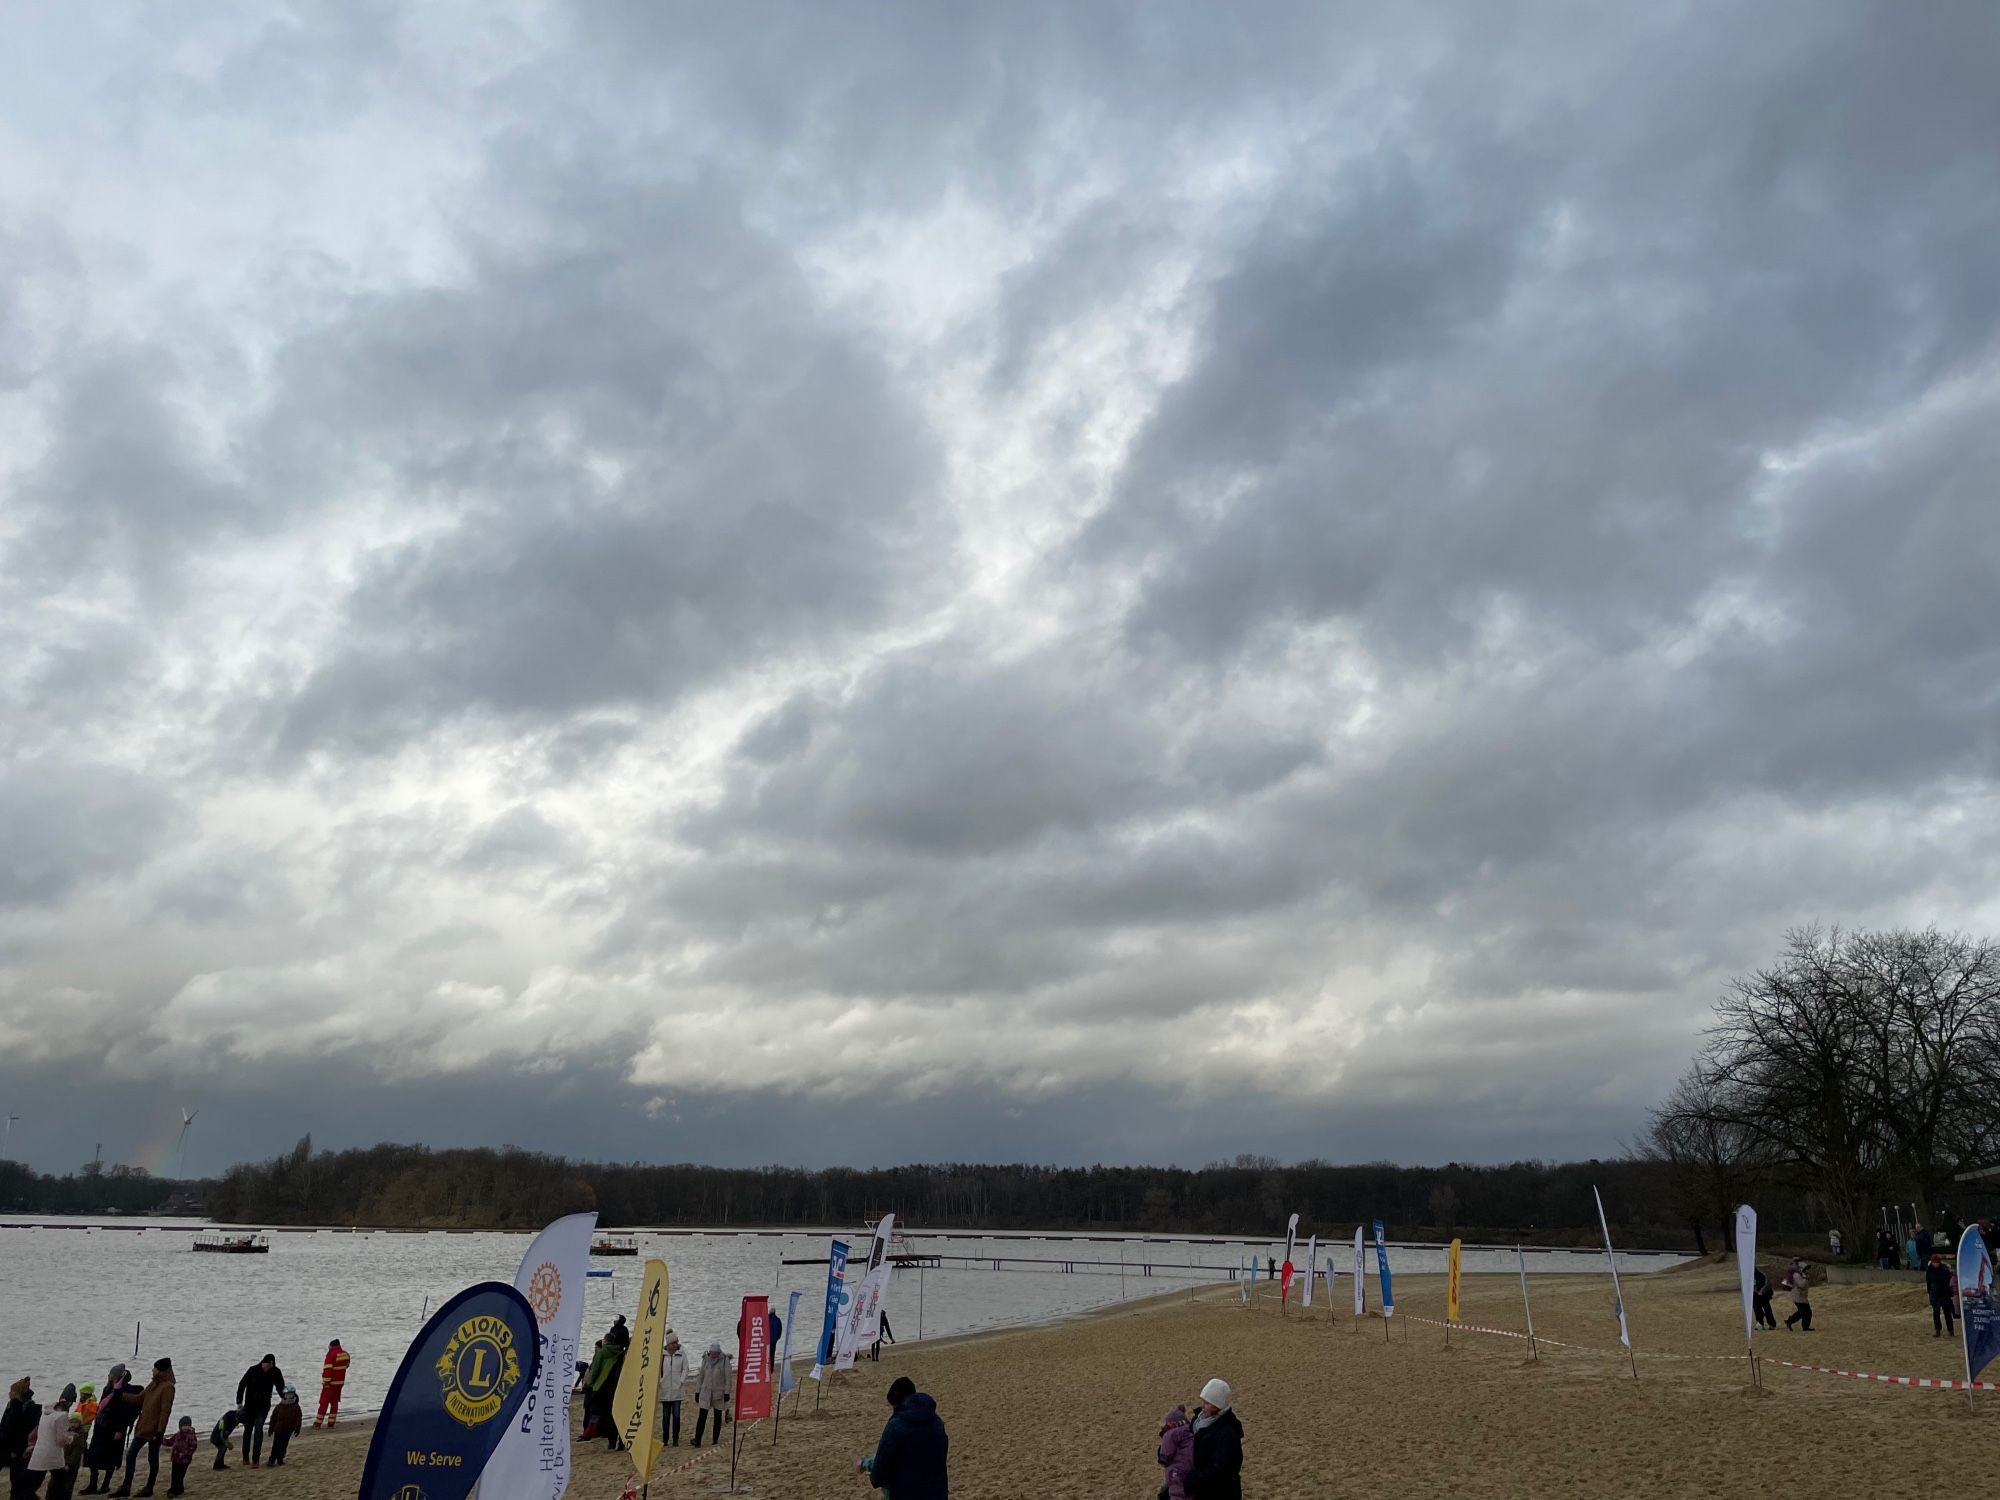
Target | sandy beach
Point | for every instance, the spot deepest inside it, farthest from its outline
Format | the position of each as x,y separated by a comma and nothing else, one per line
1070,1410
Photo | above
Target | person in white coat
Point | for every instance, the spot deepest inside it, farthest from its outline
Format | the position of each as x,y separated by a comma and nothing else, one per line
673,1389
53,1435
712,1390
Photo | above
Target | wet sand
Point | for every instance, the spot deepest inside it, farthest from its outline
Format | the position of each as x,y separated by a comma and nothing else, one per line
1071,1410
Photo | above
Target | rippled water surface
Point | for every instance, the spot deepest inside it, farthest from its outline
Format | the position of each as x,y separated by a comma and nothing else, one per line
73,1294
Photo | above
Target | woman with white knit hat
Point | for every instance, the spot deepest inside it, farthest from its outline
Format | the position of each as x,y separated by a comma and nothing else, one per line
1218,1446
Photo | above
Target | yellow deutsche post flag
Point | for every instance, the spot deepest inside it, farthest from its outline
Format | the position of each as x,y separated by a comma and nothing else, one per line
635,1407
1451,1284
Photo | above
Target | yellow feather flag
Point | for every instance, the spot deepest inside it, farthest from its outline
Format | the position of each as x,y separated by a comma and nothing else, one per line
1451,1284
635,1407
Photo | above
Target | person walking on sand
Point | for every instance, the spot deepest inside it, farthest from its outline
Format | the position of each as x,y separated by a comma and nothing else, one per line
1761,1292
1799,1284
1176,1452
287,1417
1939,1286
1218,1446
115,1415
673,1389
156,1408
254,1393
332,1379
910,1458
711,1392
180,1454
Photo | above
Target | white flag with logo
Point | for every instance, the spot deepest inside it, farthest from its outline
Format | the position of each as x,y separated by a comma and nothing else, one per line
863,1324
1617,1293
532,1460
1312,1254
1746,1267
1360,1273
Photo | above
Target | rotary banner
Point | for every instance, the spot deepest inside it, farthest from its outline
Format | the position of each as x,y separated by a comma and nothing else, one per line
633,1408
454,1395
1451,1275
532,1461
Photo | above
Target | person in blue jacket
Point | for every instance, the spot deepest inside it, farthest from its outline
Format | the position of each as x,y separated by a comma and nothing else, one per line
909,1461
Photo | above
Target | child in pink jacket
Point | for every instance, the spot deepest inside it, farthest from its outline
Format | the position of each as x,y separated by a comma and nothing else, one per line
1176,1452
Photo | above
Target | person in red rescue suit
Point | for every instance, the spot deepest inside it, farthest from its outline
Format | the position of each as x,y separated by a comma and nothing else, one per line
332,1376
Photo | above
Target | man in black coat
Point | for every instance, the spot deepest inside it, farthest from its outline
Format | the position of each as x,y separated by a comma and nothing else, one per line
253,1399
1944,1307
909,1461
1218,1447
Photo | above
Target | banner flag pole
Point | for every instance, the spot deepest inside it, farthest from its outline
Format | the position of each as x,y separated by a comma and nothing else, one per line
1617,1293
1746,1283
1521,1258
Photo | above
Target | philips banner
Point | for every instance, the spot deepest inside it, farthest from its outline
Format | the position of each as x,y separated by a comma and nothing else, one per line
1975,1302
787,1378
1746,1270
1360,1275
454,1397
836,1306
1451,1280
753,1360
1382,1265
532,1461
634,1408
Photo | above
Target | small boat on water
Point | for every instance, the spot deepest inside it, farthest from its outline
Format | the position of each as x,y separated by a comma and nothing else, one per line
614,1244
233,1244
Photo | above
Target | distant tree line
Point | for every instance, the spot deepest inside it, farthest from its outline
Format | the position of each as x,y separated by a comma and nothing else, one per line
1859,1072
96,1189
391,1185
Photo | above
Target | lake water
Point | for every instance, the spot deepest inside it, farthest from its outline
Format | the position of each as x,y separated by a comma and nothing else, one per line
73,1294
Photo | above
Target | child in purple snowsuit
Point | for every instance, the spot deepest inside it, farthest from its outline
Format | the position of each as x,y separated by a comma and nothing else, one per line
1176,1452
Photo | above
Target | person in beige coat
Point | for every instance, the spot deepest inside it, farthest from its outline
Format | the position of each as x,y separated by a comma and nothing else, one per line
714,1383
156,1409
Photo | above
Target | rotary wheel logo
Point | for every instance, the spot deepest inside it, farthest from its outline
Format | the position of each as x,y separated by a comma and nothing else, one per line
478,1368
545,1292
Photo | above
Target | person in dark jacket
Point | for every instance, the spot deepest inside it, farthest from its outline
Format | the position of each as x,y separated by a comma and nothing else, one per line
220,1433
17,1435
287,1418
1944,1299
1218,1446
116,1413
618,1333
254,1393
909,1461
1761,1292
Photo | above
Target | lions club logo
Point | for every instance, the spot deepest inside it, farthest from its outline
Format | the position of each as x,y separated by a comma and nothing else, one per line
545,1292
411,1492
478,1368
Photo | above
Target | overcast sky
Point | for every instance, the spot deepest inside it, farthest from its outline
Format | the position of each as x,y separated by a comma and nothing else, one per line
856,583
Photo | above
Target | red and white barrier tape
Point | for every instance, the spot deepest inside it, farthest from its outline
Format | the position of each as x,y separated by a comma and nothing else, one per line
1939,1384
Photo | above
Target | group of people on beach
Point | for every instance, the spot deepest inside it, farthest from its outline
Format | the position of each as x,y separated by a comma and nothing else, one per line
714,1385
88,1427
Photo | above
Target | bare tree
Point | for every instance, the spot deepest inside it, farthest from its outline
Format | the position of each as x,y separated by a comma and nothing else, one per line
1713,1159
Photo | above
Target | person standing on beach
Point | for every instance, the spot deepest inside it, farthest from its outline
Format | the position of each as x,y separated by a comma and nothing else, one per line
1218,1446
287,1417
1176,1452
1943,1296
909,1459
18,1425
673,1389
332,1378
711,1392
53,1436
618,1333
115,1416
180,1453
156,1406
254,1391
1761,1292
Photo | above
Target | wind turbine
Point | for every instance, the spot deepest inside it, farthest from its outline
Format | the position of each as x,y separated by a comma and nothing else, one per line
6,1136
181,1144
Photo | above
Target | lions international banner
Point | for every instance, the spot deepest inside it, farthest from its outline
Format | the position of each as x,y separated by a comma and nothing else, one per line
634,1406
1975,1302
787,1378
1312,1254
1382,1265
1360,1275
532,1461
453,1397
1451,1274
1746,1268
836,1304
753,1360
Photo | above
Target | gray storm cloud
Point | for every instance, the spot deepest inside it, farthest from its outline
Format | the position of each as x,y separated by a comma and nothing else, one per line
1118,580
